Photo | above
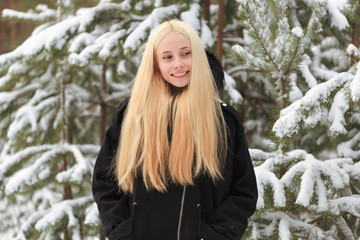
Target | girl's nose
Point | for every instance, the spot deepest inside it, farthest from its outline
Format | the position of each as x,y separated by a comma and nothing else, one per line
178,63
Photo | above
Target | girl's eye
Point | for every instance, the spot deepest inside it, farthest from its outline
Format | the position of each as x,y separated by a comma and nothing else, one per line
187,53
166,57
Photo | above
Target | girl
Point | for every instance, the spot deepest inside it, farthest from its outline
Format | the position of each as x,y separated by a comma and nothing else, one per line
174,164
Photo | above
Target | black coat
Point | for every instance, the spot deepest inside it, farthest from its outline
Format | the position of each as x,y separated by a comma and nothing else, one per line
203,211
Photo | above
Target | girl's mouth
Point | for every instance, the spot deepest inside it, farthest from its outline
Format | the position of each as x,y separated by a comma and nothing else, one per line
179,74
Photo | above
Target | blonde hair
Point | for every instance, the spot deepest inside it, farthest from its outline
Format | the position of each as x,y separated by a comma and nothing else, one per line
198,139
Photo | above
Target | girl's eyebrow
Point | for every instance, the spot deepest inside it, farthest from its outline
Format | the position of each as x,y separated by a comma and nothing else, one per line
166,52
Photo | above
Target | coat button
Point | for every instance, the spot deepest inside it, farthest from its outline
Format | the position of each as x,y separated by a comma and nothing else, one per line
224,104
134,204
198,205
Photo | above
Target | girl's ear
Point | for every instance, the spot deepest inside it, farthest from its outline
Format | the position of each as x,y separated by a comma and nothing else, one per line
155,62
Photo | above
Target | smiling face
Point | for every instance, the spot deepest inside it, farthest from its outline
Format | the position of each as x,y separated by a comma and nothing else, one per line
174,59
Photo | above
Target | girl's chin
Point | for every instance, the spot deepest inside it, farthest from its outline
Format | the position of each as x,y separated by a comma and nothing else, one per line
177,88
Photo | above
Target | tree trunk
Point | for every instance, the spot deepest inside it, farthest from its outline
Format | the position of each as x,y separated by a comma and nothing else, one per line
283,93
207,10
355,40
219,48
13,26
67,192
103,105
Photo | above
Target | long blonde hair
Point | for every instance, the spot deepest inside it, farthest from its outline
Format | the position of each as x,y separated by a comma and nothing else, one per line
198,140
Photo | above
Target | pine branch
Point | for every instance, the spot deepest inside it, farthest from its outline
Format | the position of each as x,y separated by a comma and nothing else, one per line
259,38
344,228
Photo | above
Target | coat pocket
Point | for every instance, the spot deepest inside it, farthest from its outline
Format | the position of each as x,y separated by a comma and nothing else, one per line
208,233
121,232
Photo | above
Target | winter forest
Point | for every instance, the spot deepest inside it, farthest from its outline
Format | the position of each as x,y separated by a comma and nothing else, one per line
292,71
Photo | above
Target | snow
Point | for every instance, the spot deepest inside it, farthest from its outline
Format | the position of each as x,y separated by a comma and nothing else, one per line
6,98
298,32
44,157
337,18
311,171
78,171
349,204
121,68
353,50
4,80
92,215
45,14
140,33
292,116
251,59
29,176
110,44
348,148
18,68
230,87
295,92
305,71
62,210
83,39
30,113
7,59
336,114
284,230
206,35
265,177
355,86
191,17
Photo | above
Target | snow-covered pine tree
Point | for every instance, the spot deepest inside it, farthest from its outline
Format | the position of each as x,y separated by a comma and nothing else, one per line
56,88
306,191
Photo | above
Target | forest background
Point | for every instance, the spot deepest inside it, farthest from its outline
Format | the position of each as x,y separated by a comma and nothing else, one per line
292,71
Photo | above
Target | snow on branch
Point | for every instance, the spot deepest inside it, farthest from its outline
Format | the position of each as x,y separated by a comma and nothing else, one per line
306,177
64,210
10,161
349,204
230,88
42,14
78,170
313,173
140,33
102,47
7,98
33,174
266,173
337,18
264,178
30,113
349,148
355,86
191,17
252,61
92,215
56,36
303,110
287,228
44,158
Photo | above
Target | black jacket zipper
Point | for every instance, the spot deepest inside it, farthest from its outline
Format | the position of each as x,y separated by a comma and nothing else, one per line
181,212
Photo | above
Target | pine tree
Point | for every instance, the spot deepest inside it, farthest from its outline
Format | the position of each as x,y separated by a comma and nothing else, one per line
308,173
57,92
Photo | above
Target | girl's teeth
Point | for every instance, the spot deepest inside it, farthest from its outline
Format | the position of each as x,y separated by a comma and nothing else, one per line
180,74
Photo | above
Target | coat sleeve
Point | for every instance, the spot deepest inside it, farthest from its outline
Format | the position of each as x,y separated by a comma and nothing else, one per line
113,205
230,219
